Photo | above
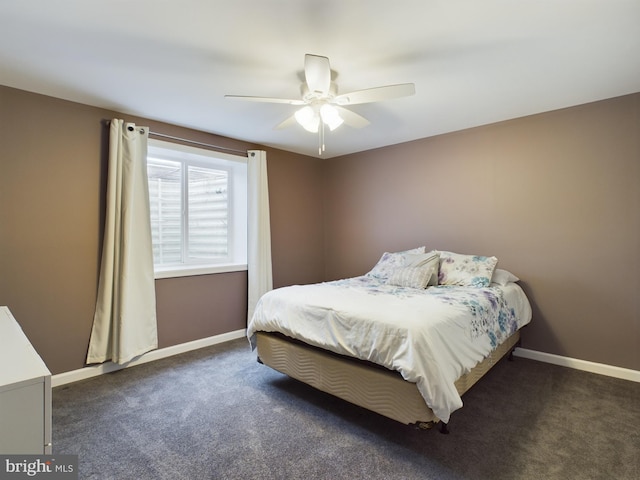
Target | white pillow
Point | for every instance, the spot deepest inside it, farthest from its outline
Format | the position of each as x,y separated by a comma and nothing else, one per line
426,260
502,277
412,277
390,261
466,270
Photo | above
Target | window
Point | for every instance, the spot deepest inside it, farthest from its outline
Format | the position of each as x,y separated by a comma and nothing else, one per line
198,202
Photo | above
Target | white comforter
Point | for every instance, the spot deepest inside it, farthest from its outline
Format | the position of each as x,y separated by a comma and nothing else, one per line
430,336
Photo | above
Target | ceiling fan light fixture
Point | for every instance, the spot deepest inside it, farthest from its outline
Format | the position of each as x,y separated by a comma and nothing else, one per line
330,116
308,118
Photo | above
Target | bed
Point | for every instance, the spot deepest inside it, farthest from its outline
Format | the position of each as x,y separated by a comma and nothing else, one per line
406,340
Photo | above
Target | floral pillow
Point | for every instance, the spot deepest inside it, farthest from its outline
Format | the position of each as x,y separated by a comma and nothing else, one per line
412,277
391,261
466,270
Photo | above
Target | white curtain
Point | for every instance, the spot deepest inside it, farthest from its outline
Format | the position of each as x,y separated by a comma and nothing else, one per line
258,229
124,323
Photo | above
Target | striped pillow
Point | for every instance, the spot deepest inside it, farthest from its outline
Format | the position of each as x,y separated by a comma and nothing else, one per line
412,277
425,260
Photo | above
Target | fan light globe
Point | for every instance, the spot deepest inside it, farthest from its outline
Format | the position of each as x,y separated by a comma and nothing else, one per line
330,116
308,118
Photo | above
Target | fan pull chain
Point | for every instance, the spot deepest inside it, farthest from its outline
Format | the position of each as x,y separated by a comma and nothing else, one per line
321,147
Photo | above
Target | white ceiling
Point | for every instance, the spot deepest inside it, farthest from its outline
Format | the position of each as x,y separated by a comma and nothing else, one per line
473,62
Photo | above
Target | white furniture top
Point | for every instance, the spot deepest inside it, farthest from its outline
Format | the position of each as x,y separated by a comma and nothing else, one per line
21,364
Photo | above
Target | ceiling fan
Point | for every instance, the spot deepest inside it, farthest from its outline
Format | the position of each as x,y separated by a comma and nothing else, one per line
323,106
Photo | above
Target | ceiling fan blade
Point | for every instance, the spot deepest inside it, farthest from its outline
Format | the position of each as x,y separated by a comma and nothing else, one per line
266,99
352,118
289,121
376,94
317,74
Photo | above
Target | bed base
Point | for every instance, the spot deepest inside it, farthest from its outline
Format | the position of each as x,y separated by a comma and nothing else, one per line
362,383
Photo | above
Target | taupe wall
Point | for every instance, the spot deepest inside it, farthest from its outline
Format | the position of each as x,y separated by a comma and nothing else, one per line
52,182
556,197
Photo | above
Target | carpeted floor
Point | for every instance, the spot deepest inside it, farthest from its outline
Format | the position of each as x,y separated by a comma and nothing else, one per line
216,413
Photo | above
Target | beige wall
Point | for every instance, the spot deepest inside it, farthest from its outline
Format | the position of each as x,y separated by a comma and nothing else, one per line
52,185
556,197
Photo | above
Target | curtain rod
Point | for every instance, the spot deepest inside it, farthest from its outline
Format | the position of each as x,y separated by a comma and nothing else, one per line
242,153
193,142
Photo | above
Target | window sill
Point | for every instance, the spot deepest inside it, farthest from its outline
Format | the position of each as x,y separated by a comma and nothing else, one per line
183,271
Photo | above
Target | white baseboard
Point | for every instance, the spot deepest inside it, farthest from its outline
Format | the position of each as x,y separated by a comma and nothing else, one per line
599,368
95,370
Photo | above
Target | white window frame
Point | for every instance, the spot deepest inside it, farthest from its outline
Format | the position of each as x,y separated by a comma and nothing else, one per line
237,167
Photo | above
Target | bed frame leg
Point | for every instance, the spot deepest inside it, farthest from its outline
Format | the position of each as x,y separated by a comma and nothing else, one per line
444,428
424,425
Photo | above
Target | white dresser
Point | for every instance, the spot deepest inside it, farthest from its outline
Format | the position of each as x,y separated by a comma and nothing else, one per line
25,393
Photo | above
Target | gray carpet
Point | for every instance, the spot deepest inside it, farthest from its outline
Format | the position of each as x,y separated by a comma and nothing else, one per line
216,413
